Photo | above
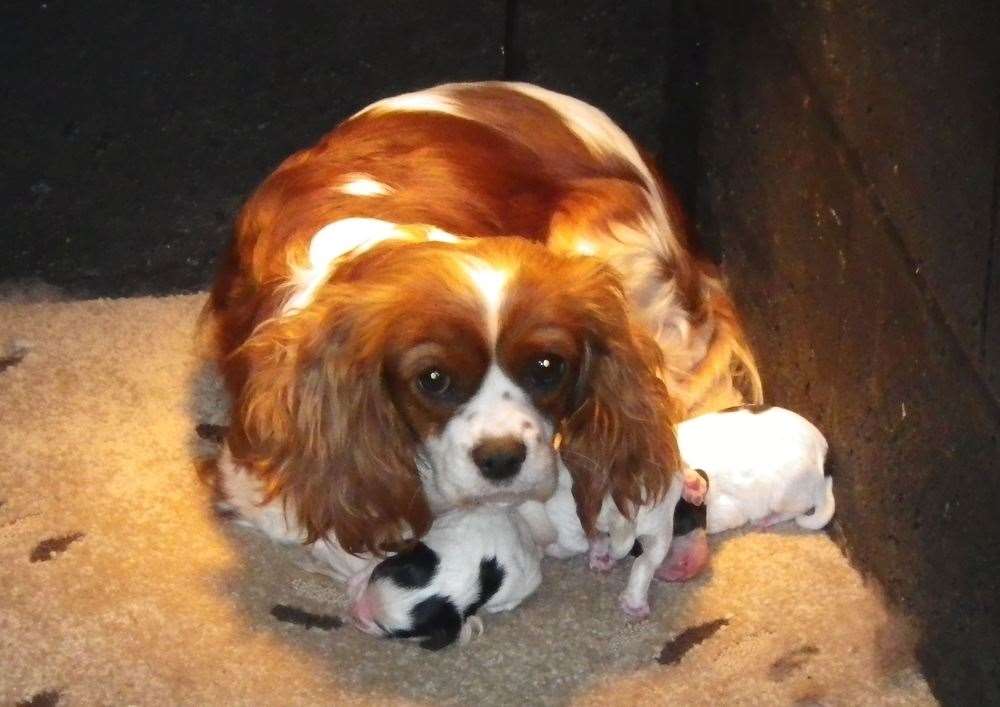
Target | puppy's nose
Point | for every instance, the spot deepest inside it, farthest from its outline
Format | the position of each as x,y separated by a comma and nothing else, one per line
499,458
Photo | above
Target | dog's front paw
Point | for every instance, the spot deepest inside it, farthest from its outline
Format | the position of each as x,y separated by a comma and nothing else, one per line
600,556
634,609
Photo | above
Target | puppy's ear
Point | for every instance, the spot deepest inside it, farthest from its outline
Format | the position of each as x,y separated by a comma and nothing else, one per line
316,422
438,621
620,439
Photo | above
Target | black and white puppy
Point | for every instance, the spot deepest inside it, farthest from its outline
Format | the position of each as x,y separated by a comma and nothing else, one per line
480,558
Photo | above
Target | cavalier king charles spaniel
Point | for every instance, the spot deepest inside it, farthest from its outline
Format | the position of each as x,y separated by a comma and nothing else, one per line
448,295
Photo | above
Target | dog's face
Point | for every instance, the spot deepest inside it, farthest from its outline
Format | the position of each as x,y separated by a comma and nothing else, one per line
428,376
485,404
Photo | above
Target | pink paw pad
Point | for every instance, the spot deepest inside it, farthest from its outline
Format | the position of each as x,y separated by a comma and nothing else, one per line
695,487
601,562
634,610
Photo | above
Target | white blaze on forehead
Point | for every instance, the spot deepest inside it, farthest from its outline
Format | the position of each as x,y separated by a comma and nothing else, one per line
349,235
363,185
490,282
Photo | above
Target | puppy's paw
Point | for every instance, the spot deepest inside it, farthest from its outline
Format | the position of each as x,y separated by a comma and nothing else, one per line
600,556
695,487
471,630
602,563
634,609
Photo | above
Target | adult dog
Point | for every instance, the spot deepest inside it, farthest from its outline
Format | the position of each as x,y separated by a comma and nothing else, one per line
447,291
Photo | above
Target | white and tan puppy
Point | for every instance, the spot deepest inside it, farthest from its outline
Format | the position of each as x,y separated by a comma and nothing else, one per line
481,558
765,465
653,527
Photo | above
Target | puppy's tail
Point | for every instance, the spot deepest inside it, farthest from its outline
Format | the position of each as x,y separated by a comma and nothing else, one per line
823,511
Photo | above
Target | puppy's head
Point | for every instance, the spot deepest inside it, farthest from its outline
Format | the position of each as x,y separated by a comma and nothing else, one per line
428,376
405,597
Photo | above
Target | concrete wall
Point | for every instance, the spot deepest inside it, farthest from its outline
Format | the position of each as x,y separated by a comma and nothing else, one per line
849,154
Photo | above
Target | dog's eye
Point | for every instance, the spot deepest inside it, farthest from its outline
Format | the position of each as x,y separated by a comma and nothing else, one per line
546,372
434,382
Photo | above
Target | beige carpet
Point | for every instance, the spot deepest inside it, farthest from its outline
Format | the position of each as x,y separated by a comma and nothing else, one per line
119,586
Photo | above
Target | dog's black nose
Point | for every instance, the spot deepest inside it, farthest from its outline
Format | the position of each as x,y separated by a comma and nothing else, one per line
499,458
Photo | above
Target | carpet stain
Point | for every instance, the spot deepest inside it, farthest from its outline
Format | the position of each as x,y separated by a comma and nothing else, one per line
12,359
306,619
790,662
687,639
44,550
211,433
45,698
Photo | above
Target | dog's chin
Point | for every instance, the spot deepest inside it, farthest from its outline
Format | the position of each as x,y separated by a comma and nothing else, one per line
451,497
500,496
448,487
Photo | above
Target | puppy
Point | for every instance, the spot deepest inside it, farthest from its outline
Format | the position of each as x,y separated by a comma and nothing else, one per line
652,528
485,557
764,465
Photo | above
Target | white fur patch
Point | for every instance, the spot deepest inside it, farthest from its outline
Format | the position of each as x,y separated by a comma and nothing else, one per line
561,510
491,283
242,494
771,467
363,185
433,100
334,240
597,131
349,236
437,235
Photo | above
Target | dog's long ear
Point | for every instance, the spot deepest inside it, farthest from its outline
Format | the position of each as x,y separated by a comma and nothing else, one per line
316,422
620,439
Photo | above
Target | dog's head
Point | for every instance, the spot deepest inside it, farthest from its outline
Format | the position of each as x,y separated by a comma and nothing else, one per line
427,376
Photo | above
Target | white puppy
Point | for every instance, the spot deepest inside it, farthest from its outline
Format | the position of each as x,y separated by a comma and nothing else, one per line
653,526
485,557
765,465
